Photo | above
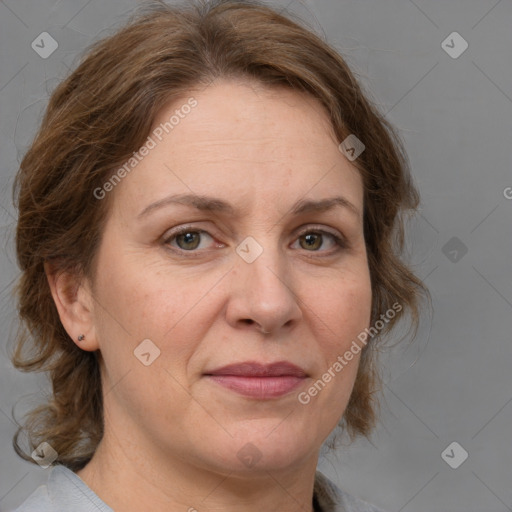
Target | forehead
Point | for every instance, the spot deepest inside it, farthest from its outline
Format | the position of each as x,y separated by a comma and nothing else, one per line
240,138
239,111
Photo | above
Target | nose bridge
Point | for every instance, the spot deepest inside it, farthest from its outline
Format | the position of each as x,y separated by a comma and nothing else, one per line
262,260
264,287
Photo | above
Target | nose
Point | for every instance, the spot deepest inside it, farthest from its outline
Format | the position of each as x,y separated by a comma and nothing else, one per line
262,292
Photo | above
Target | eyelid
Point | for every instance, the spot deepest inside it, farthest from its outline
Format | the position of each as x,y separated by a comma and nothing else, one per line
321,229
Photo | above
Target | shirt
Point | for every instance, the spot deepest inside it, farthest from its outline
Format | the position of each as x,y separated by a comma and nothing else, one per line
65,491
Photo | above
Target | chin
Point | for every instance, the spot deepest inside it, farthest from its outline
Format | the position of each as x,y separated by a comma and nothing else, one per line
267,447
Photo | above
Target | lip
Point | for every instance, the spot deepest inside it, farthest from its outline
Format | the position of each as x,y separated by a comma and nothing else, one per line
257,380
256,369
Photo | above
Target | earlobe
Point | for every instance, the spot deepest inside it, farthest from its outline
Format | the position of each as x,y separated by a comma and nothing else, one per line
73,300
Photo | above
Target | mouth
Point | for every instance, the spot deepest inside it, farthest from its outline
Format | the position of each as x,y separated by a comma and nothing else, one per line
260,381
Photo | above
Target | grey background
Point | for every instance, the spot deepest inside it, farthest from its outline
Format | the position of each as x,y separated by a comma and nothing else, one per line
455,116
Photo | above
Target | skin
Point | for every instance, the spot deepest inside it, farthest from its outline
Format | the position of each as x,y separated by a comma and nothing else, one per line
172,435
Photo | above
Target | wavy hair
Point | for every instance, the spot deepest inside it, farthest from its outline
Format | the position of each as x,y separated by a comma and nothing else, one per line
103,112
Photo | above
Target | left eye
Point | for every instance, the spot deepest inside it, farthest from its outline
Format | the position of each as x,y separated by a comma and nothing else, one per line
312,240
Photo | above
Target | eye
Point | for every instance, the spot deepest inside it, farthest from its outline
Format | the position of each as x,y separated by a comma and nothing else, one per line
313,239
187,238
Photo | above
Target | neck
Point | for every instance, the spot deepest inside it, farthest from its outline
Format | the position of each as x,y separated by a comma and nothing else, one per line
129,476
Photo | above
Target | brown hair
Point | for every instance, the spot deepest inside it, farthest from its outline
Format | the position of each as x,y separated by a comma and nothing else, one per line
104,111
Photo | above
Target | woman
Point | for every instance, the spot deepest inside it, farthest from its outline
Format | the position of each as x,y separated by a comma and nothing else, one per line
209,235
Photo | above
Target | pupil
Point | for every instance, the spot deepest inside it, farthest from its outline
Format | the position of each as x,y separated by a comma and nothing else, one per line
311,239
188,238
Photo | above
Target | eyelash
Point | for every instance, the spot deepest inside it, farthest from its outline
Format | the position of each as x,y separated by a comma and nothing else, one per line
339,241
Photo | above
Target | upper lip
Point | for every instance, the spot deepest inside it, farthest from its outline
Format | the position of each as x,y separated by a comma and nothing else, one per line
256,369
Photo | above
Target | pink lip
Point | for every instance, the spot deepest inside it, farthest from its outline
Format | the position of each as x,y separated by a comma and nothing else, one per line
257,380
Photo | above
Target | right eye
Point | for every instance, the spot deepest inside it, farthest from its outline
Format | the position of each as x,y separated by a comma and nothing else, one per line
186,239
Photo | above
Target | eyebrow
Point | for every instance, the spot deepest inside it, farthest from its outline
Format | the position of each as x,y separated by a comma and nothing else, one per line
212,204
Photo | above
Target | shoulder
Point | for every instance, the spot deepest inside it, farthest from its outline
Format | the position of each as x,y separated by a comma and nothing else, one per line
64,490
332,499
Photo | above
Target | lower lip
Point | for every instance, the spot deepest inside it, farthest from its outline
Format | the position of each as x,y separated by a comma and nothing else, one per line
258,387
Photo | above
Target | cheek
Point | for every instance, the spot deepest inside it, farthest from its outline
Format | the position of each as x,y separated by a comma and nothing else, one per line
344,305
342,311
140,302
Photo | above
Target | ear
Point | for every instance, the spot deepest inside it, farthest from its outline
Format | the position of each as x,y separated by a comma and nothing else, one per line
73,299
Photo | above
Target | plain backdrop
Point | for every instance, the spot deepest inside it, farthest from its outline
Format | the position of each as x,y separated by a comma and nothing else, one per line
453,108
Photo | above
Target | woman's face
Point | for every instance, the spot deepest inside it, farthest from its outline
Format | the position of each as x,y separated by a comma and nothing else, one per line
256,253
